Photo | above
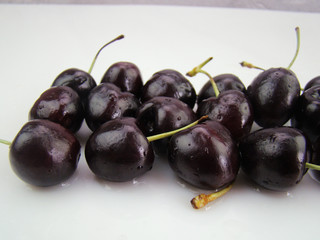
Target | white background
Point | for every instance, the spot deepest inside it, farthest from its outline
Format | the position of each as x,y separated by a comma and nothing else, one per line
285,5
38,42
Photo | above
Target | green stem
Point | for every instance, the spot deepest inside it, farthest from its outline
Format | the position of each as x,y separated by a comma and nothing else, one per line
298,47
204,63
168,134
198,69
95,58
250,65
5,142
213,83
313,166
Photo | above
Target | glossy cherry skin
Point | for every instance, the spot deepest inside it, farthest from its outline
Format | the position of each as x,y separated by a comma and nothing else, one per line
205,156
118,151
273,95
275,158
232,109
315,174
163,114
44,153
59,104
313,82
106,102
224,82
126,76
169,83
306,116
80,81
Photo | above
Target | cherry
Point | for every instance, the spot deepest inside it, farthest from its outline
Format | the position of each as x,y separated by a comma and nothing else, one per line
126,76
273,94
163,114
44,153
118,151
80,81
307,113
224,82
313,82
169,83
59,104
231,107
205,156
106,102
275,158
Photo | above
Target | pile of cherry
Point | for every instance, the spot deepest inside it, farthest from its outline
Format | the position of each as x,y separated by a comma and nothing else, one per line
132,122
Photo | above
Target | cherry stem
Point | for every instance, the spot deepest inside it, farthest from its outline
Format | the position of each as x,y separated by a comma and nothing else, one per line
250,65
5,142
298,47
203,199
198,69
168,134
95,58
313,166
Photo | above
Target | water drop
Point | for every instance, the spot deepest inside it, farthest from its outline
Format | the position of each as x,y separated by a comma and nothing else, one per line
219,117
206,150
289,195
111,97
65,184
181,184
139,167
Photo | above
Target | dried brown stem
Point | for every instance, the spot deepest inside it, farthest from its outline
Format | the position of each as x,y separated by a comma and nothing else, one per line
203,199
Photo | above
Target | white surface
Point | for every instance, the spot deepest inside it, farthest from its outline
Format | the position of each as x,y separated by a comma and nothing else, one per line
38,42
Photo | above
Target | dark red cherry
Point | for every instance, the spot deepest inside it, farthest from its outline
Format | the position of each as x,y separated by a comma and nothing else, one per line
59,104
126,76
106,102
205,156
273,95
44,153
163,114
306,116
313,82
80,81
118,151
169,83
232,109
275,158
224,82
